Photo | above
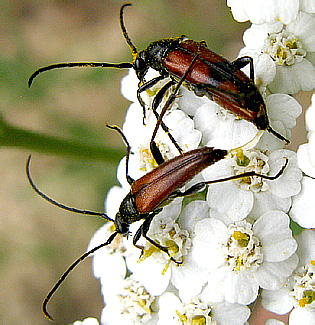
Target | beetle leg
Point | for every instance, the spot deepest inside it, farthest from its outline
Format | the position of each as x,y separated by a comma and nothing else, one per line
171,99
145,86
143,230
155,104
130,180
192,190
201,185
242,62
156,153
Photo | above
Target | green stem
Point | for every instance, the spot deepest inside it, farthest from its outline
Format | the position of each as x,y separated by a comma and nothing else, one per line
11,136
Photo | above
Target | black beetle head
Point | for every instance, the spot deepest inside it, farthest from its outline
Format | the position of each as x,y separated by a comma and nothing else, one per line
121,227
140,66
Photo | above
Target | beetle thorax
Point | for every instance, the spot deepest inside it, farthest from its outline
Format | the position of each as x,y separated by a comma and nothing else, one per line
127,214
156,52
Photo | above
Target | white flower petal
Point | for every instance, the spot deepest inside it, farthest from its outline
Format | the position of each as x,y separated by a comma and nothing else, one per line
168,305
266,201
301,316
291,79
277,301
129,86
272,276
230,200
188,102
222,132
269,11
303,206
272,228
206,249
214,290
303,27
230,314
113,200
284,108
150,274
272,321
306,246
189,278
240,287
288,184
307,6
305,159
193,212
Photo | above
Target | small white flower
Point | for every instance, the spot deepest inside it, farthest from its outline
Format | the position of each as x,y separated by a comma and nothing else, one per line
173,311
236,199
298,292
242,257
290,47
132,304
259,12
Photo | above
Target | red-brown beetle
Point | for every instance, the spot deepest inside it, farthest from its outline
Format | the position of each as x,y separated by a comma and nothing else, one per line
210,74
149,194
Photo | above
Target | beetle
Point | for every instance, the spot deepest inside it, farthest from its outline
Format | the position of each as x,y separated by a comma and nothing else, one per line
209,75
149,194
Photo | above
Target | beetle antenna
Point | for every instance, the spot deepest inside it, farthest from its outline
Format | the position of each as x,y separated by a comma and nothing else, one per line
69,269
59,205
133,48
123,65
278,135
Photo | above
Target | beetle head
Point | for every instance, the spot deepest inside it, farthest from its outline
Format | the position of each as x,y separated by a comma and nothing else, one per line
121,226
140,65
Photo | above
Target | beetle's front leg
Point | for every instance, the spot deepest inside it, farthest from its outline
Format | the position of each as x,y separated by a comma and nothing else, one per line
145,86
155,104
143,230
242,62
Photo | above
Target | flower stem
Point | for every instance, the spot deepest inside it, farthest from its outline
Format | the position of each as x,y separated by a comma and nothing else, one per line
11,136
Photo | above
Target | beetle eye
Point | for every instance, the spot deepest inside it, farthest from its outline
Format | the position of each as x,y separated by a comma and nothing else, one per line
139,64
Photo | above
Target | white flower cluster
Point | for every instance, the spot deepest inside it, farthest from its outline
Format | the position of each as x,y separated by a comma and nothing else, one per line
235,239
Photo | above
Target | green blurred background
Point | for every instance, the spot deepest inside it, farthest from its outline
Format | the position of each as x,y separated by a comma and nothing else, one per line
64,109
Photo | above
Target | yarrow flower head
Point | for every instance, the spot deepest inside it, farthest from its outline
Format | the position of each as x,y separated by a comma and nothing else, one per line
132,304
204,258
299,290
242,257
290,49
174,311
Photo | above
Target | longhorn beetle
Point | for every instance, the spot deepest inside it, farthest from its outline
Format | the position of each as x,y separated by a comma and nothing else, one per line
149,194
211,75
